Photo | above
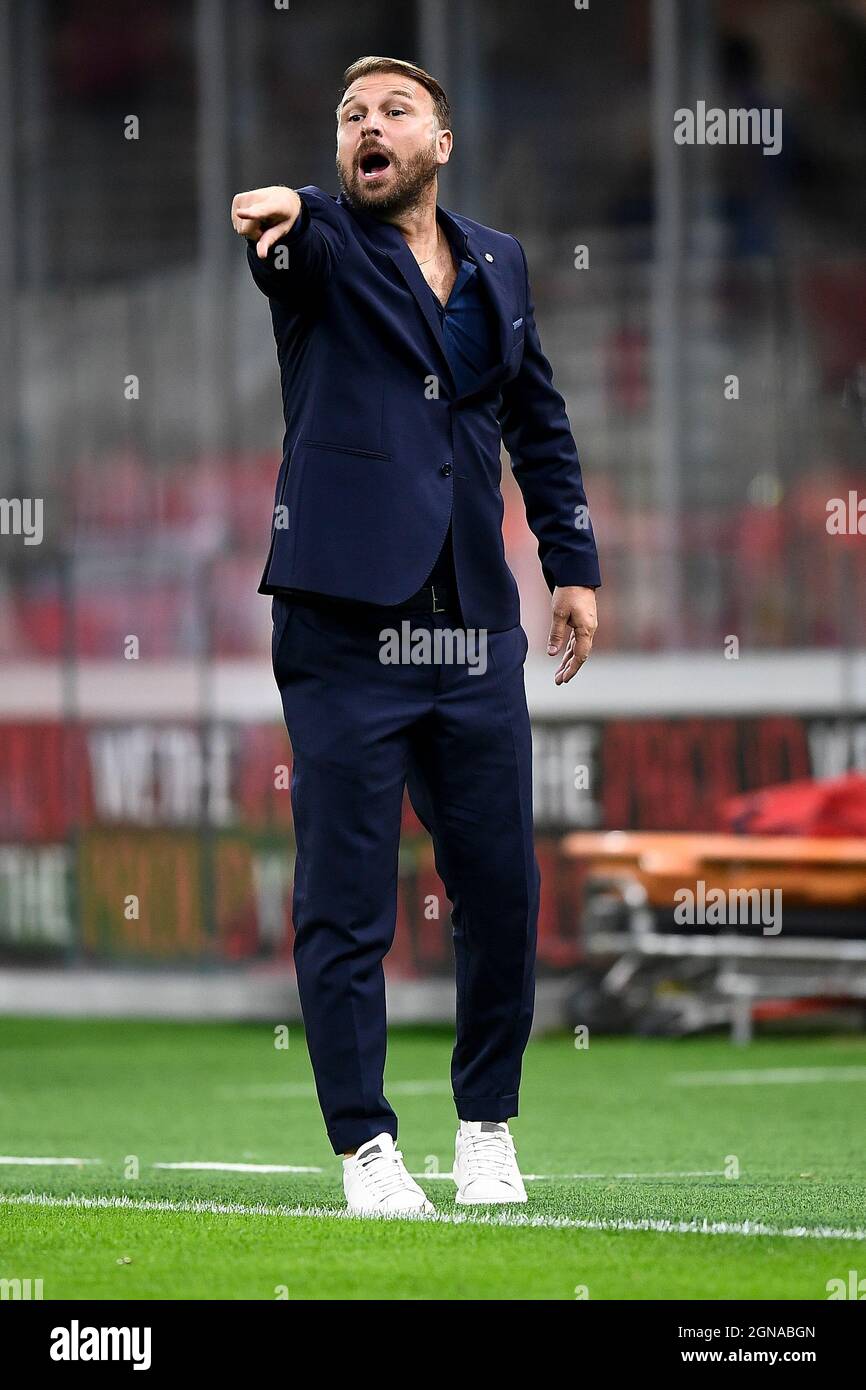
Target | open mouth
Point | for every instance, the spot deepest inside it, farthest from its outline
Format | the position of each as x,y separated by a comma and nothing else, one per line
373,166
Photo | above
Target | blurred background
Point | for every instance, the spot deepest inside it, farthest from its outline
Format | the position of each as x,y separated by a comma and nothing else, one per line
146,850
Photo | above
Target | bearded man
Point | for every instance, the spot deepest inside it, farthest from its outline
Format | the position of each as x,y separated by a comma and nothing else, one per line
408,352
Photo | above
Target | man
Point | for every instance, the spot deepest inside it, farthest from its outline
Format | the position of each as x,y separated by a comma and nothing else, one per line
408,351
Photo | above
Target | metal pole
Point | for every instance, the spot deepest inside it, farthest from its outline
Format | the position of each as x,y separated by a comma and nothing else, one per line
216,247
10,245
434,49
449,47
215,237
33,120
667,315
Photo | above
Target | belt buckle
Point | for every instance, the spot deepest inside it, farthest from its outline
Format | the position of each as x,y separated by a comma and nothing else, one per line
436,607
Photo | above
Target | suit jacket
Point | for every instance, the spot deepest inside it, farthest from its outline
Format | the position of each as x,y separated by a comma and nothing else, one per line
380,452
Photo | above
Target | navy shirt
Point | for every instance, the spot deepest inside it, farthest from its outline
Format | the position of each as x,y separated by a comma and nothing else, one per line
469,332
471,342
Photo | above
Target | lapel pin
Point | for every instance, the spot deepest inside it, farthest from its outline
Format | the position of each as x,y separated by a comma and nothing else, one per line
488,256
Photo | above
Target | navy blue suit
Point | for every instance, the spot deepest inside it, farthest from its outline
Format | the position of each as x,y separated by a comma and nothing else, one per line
393,433
380,453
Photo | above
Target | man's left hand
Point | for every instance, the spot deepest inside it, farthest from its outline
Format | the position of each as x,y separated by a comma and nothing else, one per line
574,617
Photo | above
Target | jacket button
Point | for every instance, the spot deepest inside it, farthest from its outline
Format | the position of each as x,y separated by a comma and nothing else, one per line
446,470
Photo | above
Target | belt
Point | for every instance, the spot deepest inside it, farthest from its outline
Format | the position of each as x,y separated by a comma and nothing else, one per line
430,598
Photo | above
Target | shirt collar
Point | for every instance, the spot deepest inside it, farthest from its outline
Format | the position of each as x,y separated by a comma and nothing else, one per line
388,233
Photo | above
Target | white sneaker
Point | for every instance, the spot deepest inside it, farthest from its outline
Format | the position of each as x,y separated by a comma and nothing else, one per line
485,1164
376,1183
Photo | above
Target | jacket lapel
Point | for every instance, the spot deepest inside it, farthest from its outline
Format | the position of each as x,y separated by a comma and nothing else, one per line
424,297
491,279
389,240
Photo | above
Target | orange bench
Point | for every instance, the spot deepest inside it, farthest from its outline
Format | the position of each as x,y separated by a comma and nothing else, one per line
632,879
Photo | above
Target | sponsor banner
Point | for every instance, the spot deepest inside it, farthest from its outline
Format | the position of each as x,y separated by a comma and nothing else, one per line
673,774
37,901
637,774
162,897
166,842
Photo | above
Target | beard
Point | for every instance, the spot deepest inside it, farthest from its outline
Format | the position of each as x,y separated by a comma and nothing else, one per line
408,181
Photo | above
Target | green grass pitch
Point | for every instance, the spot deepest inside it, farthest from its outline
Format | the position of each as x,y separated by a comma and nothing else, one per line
637,1196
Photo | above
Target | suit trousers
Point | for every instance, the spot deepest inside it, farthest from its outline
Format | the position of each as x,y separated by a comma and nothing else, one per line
366,721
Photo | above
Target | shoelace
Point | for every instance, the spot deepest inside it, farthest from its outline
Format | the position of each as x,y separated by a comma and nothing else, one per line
489,1155
383,1174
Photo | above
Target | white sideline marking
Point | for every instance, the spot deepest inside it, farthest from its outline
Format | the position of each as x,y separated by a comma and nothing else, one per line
514,1219
305,1090
770,1076
202,1166
573,1177
47,1162
434,1177
241,1167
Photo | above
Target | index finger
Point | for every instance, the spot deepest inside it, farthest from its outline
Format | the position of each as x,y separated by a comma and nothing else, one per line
570,667
255,210
573,660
